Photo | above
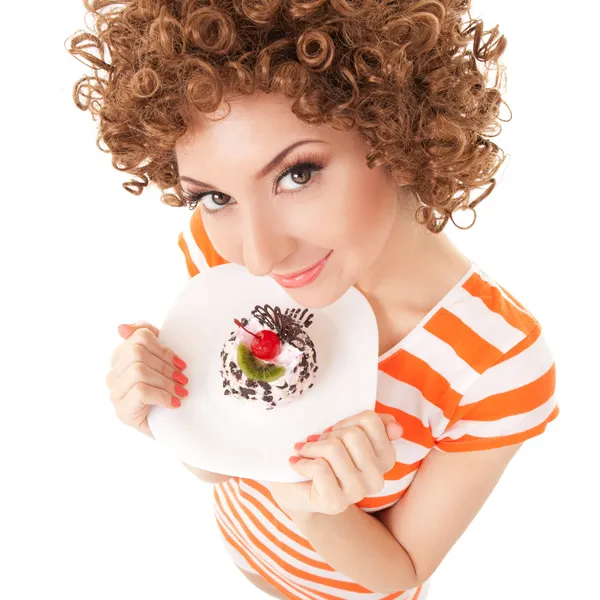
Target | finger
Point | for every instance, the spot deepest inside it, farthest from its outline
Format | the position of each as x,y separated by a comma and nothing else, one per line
393,428
370,422
335,452
126,330
140,372
140,335
133,408
135,352
325,494
379,429
148,340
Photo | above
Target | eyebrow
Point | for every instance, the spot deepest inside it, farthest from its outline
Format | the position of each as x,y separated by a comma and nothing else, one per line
266,169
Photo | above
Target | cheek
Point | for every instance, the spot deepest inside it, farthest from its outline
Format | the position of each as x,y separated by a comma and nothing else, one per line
363,213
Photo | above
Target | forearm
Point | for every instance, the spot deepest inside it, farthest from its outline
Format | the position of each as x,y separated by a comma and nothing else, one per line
206,476
360,546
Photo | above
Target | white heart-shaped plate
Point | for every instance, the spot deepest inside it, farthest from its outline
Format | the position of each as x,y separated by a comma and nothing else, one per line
222,434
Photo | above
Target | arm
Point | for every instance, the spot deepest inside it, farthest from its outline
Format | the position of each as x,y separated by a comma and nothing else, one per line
206,476
400,547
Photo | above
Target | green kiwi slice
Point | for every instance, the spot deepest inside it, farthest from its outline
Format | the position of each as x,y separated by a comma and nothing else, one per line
256,369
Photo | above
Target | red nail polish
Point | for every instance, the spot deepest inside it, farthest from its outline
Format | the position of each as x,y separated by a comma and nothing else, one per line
175,402
179,377
299,446
328,429
312,438
181,391
294,459
180,364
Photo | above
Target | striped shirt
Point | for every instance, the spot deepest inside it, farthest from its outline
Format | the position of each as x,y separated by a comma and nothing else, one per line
475,374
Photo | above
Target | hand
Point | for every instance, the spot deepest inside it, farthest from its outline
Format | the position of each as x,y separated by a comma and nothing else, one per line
144,373
345,463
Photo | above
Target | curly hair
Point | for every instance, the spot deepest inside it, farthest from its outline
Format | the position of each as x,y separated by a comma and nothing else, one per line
403,73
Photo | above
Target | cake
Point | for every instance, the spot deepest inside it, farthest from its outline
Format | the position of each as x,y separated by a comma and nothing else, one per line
269,359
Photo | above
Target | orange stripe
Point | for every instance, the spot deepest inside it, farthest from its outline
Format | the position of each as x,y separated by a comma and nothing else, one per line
414,430
201,238
262,572
191,267
521,306
525,343
469,443
405,367
342,585
282,545
514,402
271,517
469,345
381,500
492,297
400,470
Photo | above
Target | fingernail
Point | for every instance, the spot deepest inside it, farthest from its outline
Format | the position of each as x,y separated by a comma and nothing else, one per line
328,429
179,363
299,446
180,391
294,459
180,377
312,438
175,402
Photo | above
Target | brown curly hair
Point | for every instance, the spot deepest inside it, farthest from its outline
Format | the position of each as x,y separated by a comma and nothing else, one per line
404,73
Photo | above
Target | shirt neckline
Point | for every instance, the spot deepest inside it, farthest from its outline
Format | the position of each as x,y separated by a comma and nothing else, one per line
415,330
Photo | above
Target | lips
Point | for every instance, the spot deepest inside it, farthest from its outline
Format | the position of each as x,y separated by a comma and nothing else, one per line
302,278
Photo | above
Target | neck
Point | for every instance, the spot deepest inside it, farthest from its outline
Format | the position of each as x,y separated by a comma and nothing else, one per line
416,267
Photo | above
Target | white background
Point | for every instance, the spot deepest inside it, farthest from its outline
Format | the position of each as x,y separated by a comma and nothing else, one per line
94,510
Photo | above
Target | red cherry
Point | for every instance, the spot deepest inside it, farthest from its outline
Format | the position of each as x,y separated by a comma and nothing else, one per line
266,345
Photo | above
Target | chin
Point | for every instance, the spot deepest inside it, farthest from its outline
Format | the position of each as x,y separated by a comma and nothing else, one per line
317,296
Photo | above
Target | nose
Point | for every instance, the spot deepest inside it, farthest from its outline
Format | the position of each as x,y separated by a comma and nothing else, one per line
265,242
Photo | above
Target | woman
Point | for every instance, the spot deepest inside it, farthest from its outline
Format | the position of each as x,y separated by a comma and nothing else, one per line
328,144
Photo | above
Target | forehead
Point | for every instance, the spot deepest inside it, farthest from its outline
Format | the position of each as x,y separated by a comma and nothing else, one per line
260,124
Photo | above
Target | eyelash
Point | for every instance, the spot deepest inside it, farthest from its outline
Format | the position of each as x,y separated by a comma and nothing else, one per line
305,162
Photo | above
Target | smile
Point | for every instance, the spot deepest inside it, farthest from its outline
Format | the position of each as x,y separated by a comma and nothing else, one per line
302,278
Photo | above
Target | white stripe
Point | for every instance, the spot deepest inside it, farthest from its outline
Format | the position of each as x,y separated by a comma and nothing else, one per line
276,577
442,358
491,326
501,427
195,252
526,367
409,399
408,453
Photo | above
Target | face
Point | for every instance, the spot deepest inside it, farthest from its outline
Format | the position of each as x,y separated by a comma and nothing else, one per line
286,199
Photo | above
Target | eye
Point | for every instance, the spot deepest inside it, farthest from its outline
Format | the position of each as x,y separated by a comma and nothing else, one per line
212,201
297,177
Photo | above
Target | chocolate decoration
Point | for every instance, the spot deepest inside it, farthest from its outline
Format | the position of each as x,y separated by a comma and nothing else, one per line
289,326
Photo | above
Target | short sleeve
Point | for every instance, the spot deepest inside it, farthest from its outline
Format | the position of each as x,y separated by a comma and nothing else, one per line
510,402
198,251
